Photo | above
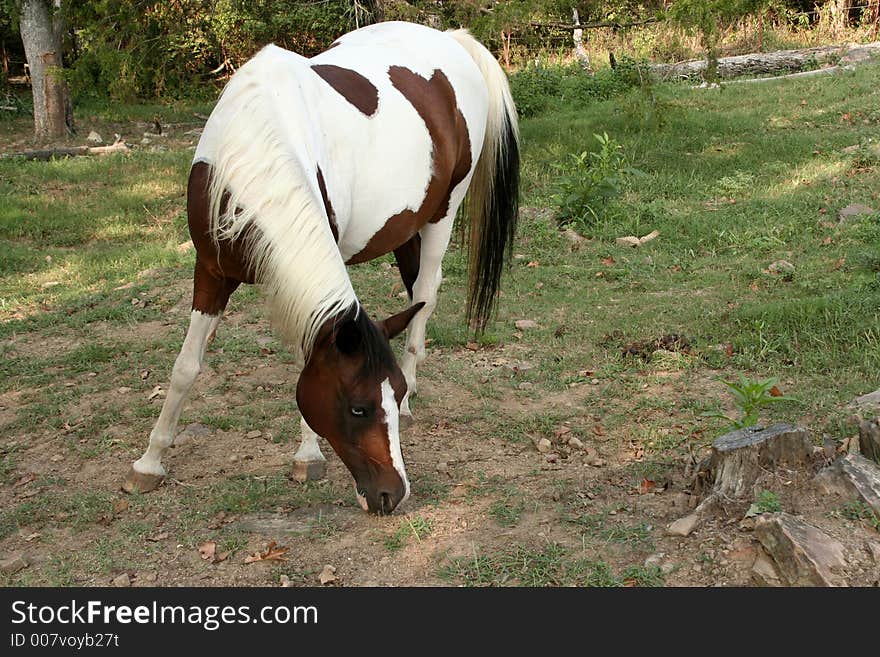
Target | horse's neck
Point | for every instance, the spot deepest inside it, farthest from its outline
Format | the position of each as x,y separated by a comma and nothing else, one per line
263,154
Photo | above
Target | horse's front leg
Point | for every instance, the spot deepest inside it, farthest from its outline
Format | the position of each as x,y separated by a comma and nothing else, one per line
309,463
147,473
210,296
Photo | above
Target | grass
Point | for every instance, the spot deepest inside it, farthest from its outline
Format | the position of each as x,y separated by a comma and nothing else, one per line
552,565
415,528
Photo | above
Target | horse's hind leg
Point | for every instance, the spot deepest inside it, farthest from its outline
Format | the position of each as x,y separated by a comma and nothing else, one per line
209,300
434,241
309,463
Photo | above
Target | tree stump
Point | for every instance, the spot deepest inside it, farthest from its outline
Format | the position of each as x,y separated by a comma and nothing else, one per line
740,459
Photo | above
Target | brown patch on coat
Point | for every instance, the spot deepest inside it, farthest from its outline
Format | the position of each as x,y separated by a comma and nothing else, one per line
351,85
328,207
434,100
220,267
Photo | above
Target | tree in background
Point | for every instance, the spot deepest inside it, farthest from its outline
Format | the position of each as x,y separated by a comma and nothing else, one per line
41,27
706,17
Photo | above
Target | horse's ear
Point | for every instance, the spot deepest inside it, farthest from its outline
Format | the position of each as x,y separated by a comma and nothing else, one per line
394,325
348,338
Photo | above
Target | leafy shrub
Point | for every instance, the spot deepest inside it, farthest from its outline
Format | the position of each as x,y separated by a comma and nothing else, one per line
587,182
536,86
750,397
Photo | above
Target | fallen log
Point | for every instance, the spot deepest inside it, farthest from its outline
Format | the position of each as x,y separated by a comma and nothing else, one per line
780,63
769,63
44,155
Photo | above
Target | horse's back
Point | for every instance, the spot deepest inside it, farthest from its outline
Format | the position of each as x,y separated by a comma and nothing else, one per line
362,120
384,165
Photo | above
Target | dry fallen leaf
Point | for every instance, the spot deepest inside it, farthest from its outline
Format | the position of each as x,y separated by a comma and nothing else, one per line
534,263
608,261
26,479
120,505
646,486
775,392
327,576
472,346
561,431
274,552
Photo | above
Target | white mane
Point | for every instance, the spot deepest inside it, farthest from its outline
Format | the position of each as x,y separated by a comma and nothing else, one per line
259,147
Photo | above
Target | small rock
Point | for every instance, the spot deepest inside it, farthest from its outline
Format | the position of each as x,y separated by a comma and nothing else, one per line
575,443
327,575
149,576
802,554
667,567
233,458
781,267
443,467
13,564
123,390
250,435
598,463
866,406
572,236
684,526
874,551
94,138
122,580
146,142
544,445
56,458
285,582
655,559
853,211
764,572
852,477
552,457
525,324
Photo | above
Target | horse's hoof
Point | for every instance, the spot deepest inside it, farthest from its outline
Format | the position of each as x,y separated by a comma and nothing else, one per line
304,471
406,421
139,482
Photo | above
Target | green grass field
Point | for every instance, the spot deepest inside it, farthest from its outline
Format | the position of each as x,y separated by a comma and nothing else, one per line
735,179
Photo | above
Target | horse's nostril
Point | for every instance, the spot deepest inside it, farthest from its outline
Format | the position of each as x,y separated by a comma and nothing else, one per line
386,503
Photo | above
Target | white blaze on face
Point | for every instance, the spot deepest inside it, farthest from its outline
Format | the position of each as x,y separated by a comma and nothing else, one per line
392,417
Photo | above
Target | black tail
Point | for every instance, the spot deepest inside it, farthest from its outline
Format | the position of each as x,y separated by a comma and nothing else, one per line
493,226
493,197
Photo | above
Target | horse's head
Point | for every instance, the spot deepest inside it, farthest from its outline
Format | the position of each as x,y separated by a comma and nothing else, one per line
350,392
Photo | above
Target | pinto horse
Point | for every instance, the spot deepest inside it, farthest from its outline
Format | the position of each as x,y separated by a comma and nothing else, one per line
308,165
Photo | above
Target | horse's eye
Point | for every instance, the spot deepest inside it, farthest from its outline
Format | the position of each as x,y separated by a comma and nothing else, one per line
359,411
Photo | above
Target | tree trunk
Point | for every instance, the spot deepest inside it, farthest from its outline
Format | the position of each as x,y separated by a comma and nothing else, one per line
41,29
578,37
